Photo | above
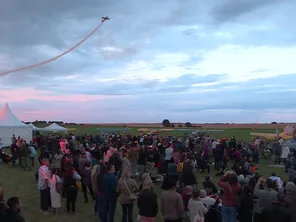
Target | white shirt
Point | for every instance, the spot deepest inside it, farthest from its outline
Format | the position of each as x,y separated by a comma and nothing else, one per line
208,201
214,144
279,181
285,152
196,210
168,153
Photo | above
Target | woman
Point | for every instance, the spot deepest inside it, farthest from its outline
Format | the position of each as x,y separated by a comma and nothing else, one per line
127,188
70,184
231,188
55,196
86,182
147,201
196,208
246,205
56,162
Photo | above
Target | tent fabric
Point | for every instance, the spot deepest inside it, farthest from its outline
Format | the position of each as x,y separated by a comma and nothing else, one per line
34,127
54,128
10,125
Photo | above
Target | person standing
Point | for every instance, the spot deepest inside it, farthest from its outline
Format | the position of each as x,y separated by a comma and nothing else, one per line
171,204
86,182
109,186
43,186
55,188
32,154
126,188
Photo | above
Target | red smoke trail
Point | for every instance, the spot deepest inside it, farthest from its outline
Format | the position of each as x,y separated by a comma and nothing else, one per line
56,57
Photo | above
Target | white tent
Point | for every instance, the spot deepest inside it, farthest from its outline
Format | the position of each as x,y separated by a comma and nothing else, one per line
10,125
54,128
35,128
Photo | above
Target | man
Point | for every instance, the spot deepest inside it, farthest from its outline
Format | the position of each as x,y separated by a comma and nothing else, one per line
171,204
265,197
13,211
83,161
109,186
43,186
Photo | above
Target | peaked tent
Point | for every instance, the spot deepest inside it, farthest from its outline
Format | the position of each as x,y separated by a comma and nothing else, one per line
54,128
34,127
10,125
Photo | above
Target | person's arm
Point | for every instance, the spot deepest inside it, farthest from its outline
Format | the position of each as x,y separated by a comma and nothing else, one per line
256,189
135,186
221,182
118,189
204,210
180,206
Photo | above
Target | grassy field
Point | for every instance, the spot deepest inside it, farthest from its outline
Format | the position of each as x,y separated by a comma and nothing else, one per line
22,183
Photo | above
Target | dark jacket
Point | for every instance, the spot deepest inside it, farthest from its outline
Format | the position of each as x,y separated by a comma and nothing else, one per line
276,213
109,186
3,209
147,203
188,175
11,216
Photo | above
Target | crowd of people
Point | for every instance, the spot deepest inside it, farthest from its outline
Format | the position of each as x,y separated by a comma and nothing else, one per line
121,168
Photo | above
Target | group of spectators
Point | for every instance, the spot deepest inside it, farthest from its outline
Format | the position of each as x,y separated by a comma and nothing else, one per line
113,167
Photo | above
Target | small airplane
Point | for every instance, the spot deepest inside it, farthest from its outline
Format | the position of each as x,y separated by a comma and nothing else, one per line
270,136
105,18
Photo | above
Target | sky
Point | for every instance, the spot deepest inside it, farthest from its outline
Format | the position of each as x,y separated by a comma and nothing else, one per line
224,61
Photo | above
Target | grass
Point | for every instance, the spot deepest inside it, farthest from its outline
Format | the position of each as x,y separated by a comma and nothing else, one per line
17,182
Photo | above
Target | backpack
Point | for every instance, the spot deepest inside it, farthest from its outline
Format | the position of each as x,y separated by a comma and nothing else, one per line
180,167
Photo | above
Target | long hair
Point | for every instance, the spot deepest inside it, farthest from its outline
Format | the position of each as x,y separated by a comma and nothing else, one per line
147,182
95,172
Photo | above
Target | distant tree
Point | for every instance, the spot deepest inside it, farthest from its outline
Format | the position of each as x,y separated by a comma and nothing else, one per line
172,125
188,124
273,122
166,123
180,125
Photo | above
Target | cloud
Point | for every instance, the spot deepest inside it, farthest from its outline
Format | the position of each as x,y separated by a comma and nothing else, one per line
220,61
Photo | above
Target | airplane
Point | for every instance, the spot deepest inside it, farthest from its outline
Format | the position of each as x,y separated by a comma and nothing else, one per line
105,18
271,136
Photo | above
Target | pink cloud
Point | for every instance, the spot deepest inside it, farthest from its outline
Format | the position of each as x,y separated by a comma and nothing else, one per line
21,95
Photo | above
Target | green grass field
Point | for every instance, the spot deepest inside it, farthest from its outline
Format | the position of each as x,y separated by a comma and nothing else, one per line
21,183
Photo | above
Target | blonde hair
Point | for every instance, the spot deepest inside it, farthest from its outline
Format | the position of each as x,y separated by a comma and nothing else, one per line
95,171
147,182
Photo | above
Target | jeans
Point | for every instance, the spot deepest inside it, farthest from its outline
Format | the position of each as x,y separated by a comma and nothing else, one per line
89,187
218,164
14,157
44,199
71,196
98,205
229,214
127,212
32,161
108,209
277,159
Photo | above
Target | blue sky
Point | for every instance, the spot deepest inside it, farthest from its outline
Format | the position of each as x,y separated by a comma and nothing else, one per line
224,61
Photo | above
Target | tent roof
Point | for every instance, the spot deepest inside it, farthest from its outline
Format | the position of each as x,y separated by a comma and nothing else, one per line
7,118
54,128
34,127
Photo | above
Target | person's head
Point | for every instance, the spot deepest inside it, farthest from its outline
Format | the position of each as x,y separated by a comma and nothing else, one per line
188,190
147,182
273,174
247,189
1,193
110,168
126,174
269,183
233,179
45,162
203,194
291,188
172,184
208,179
59,152
195,193
14,204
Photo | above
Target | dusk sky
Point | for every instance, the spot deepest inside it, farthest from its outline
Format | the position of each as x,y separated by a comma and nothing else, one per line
184,60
